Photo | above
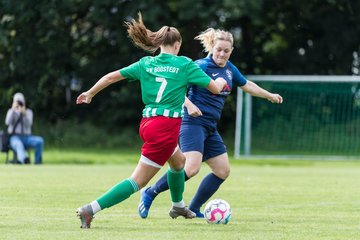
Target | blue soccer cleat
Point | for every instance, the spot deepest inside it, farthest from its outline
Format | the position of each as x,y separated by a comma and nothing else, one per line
198,213
145,203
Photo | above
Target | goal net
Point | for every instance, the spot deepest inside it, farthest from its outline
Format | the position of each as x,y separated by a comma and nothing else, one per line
320,115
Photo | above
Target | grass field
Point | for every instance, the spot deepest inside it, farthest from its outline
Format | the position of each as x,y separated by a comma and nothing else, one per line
270,199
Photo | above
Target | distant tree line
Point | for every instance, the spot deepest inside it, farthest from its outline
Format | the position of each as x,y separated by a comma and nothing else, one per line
51,50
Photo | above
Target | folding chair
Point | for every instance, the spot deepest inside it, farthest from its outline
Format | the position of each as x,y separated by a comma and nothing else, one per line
15,159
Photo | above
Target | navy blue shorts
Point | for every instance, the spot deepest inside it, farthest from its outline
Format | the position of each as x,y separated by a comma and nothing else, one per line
200,139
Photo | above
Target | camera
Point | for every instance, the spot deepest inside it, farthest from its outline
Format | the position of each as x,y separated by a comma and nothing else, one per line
20,103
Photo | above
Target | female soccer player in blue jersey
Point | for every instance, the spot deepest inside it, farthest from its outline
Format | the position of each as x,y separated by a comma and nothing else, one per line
164,79
199,137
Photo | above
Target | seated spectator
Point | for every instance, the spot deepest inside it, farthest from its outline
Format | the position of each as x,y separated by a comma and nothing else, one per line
19,120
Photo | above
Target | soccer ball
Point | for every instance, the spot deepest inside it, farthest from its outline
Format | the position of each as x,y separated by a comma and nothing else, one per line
217,211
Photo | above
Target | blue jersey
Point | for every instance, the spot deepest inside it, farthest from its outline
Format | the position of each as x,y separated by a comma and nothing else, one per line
211,105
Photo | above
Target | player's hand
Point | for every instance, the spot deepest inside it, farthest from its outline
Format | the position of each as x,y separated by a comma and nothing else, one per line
222,81
84,97
275,98
194,111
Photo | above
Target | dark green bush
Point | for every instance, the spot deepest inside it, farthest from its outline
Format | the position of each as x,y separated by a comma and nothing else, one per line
73,134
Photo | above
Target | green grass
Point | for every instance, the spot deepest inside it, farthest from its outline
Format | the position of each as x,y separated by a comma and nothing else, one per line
270,199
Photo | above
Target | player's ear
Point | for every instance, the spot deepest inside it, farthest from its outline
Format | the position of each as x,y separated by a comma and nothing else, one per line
177,45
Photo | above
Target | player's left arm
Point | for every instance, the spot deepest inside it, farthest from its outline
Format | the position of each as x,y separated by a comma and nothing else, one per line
254,90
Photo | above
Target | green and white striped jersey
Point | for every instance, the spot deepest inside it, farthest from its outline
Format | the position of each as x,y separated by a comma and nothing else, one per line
164,80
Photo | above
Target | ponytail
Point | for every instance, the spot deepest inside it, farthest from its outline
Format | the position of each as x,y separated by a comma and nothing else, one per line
148,40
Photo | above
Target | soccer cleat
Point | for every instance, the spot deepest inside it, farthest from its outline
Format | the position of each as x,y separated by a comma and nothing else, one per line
86,215
181,211
145,203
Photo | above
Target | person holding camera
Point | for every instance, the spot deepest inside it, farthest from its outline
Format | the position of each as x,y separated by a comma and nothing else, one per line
19,120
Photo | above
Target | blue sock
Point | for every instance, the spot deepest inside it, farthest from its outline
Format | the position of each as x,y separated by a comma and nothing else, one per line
160,186
208,186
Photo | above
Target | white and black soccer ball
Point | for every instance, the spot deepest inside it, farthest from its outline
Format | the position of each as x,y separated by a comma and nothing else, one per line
217,211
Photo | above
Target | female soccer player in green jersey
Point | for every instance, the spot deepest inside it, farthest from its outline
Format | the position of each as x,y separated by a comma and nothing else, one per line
164,80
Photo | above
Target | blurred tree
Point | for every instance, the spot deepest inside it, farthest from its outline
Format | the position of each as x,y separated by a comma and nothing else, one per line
51,50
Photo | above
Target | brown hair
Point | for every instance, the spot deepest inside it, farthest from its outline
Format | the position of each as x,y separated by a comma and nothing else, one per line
148,40
210,35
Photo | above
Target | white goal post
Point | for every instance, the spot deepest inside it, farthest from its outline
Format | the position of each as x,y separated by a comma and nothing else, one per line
244,105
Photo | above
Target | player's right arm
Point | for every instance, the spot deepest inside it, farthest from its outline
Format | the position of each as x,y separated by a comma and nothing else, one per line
216,86
103,82
198,77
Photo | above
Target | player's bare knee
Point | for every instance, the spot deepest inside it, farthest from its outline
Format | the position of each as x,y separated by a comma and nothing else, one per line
177,165
190,172
177,162
222,173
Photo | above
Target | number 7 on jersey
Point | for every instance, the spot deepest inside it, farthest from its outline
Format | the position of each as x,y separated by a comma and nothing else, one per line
161,89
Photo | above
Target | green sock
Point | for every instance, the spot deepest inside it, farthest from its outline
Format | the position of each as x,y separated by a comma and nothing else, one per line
118,193
176,181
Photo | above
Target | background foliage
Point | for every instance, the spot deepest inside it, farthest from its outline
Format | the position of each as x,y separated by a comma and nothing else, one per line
51,50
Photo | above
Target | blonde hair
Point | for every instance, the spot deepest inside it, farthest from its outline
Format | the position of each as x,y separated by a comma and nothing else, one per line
148,40
209,37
